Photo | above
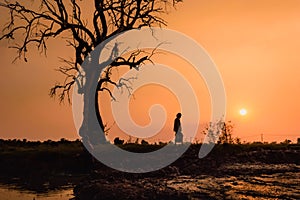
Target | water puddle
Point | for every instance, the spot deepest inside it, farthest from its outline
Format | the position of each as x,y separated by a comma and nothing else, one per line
11,192
280,185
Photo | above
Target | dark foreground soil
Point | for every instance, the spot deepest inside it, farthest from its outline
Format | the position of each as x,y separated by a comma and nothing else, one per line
228,172
254,171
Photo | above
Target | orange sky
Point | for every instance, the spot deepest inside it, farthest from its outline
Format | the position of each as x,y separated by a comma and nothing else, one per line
254,43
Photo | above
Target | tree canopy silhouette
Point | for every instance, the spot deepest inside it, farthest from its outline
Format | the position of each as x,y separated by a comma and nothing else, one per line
34,22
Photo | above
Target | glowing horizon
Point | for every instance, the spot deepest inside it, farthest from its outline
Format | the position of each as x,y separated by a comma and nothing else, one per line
254,44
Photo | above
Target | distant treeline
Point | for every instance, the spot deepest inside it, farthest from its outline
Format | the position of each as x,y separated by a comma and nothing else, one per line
117,141
28,142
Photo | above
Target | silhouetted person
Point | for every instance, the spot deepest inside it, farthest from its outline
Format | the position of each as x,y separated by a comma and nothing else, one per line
177,129
117,141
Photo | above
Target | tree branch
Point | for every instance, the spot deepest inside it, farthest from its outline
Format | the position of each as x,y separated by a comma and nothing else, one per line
34,26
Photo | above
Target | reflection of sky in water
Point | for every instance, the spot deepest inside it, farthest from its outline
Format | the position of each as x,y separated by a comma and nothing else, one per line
9,193
282,185
241,181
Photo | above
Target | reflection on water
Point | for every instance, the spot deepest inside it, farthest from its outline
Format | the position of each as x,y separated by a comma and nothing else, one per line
283,184
10,192
234,181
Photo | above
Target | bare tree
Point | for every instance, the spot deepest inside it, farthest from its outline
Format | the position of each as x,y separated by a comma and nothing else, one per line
226,129
220,132
35,24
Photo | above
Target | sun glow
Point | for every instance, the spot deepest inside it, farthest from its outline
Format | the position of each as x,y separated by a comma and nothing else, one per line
243,112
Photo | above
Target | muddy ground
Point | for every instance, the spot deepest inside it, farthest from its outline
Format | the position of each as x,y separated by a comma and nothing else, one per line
249,171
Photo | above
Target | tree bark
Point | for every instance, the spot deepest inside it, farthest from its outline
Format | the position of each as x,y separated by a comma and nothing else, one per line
92,128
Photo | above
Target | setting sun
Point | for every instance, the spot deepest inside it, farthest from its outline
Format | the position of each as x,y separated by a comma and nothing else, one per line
243,112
